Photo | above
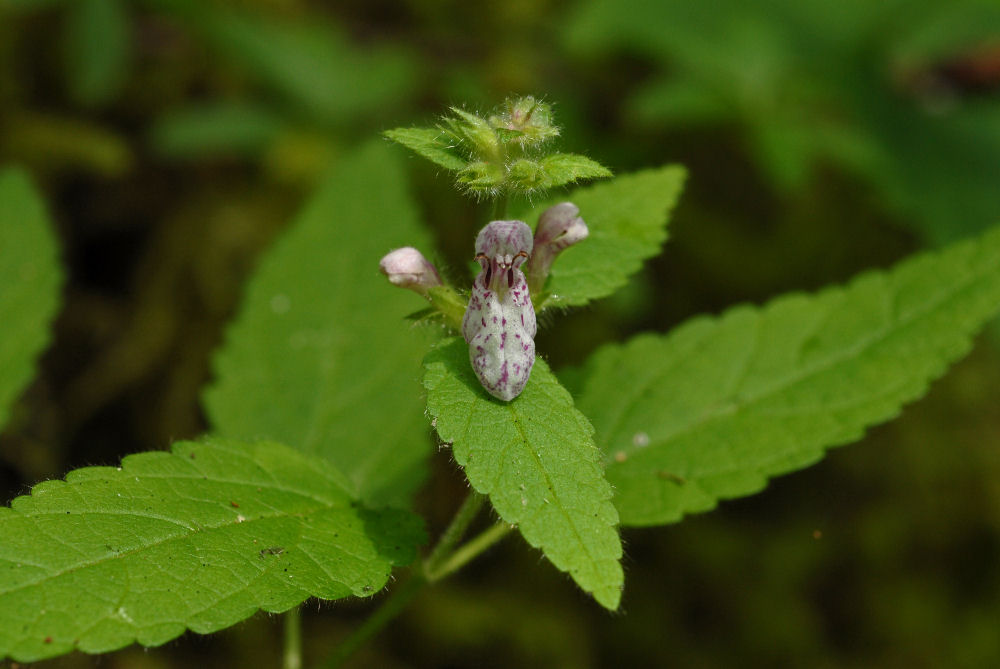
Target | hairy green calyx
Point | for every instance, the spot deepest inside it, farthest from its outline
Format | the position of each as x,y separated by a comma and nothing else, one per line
503,154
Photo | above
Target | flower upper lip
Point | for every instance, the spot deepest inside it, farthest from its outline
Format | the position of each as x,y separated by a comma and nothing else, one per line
502,247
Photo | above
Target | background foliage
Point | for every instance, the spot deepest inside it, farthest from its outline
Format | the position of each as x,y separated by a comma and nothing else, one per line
172,139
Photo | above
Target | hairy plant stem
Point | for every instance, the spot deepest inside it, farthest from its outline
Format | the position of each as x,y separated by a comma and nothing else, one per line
455,530
389,609
444,559
450,304
292,658
468,551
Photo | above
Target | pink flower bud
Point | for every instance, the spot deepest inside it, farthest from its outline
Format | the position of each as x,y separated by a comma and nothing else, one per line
559,227
499,324
408,268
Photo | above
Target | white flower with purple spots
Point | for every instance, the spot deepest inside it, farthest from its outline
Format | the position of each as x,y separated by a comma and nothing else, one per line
499,323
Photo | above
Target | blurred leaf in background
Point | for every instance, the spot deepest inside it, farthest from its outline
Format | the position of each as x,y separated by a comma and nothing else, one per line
52,144
856,85
305,75
31,280
97,50
216,128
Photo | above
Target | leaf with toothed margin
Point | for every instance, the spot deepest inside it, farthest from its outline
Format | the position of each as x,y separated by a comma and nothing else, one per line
535,458
433,144
318,356
565,168
717,406
199,538
627,218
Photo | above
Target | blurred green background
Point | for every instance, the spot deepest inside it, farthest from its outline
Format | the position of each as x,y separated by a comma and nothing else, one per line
174,138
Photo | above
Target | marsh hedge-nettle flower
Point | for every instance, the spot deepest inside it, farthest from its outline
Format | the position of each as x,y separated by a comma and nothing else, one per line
499,323
559,227
408,268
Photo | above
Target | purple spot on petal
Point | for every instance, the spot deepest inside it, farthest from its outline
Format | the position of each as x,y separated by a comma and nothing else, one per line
501,290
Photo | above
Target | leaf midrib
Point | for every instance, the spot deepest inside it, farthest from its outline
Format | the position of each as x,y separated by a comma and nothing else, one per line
549,485
851,353
204,529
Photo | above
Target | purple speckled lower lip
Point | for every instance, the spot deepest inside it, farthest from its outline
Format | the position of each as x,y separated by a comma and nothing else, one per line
500,308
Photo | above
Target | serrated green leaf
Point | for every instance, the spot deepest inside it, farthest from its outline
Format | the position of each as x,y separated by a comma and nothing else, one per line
198,538
317,357
481,177
627,218
97,49
527,175
433,144
564,168
535,457
508,136
475,132
713,409
30,278
471,121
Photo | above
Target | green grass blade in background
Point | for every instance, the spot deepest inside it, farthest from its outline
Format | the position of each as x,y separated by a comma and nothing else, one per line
535,457
30,280
199,538
97,44
627,218
319,357
717,406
